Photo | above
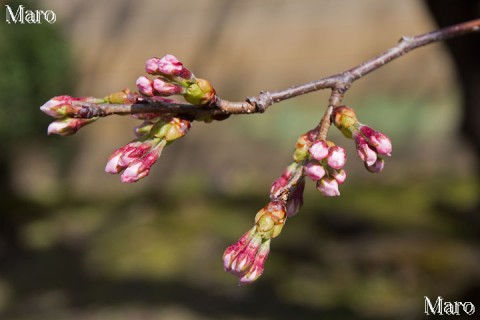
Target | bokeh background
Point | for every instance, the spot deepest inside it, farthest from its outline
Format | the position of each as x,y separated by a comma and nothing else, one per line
76,243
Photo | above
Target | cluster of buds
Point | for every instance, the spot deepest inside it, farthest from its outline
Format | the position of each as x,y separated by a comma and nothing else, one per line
371,145
135,159
325,167
173,78
72,114
322,162
246,258
64,109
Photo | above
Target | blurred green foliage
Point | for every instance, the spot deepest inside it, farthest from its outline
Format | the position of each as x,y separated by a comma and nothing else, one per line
35,64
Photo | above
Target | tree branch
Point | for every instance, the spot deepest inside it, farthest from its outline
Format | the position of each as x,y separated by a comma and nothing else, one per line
339,83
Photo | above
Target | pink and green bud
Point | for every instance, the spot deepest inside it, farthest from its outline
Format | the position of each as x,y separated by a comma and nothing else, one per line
258,265
319,150
303,144
364,151
200,93
270,219
345,120
328,186
377,140
169,66
245,258
232,251
314,170
339,175
336,157
58,107
122,97
377,166
68,126
178,128
145,86
151,66
164,88
279,185
140,167
295,201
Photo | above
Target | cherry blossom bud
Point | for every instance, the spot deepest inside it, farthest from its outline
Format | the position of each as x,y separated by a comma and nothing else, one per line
232,251
68,126
151,66
140,167
258,264
169,65
145,86
281,183
377,166
270,219
367,154
377,140
336,157
117,161
345,120
200,93
328,187
245,258
319,150
295,200
303,144
178,128
165,88
57,106
314,170
339,175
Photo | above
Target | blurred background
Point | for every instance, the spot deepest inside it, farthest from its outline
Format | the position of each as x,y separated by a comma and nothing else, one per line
76,243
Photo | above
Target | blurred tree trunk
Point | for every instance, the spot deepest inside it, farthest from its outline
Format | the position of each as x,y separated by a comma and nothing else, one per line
465,52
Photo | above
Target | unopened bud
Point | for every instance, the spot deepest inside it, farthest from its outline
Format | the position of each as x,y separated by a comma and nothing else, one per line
319,150
165,88
200,93
336,157
377,166
377,140
145,86
328,187
68,126
345,120
258,265
314,170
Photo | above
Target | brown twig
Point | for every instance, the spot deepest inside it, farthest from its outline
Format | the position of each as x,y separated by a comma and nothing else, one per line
338,83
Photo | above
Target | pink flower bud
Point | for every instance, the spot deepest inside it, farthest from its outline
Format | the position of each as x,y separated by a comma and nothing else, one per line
169,65
377,166
165,88
367,154
328,187
339,175
336,157
281,183
295,201
319,150
314,170
245,258
68,126
140,167
258,265
52,106
151,66
134,151
145,86
377,140
232,251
